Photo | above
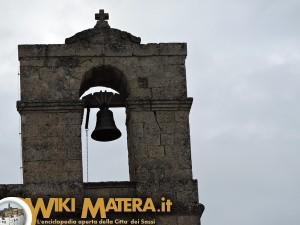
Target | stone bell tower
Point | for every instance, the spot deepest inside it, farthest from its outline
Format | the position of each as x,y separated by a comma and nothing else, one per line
151,82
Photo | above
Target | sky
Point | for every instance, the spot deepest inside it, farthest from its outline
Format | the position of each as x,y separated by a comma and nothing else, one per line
12,204
242,67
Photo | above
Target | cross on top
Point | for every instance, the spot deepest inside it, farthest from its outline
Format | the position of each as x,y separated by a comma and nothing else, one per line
101,16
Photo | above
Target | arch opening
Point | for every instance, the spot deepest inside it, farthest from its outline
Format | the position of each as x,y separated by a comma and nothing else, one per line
104,76
104,161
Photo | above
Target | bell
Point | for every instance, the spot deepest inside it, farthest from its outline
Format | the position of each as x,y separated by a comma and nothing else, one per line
105,129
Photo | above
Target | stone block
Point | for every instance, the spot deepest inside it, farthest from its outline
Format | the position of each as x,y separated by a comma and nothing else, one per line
167,139
187,196
60,50
137,129
170,128
95,50
183,139
150,129
191,219
159,92
74,176
171,49
59,189
137,141
146,170
145,187
156,151
133,117
146,116
32,62
74,152
165,116
140,151
44,176
159,82
74,84
142,82
154,139
68,118
95,193
167,220
66,131
140,93
178,173
146,50
30,131
181,116
176,60
117,50
179,156
182,127
42,152
3,191
31,51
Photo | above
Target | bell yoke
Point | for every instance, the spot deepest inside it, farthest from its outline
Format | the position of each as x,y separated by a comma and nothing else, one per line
106,129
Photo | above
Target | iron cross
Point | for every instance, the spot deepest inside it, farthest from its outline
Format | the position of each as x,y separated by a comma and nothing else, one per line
101,16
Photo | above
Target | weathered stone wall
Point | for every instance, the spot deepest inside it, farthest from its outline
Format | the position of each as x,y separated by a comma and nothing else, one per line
55,72
43,190
158,140
51,142
110,189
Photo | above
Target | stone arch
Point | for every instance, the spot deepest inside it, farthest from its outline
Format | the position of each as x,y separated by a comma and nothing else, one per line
110,77
106,76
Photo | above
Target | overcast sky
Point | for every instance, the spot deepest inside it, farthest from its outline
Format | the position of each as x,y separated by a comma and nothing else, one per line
12,204
243,68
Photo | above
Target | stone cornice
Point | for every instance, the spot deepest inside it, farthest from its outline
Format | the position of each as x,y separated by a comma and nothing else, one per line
49,106
105,50
184,104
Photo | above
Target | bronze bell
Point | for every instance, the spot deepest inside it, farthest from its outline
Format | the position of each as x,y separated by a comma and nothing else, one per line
105,129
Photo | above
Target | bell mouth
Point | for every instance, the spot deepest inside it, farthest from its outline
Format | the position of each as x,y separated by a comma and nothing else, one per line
105,129
106,134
